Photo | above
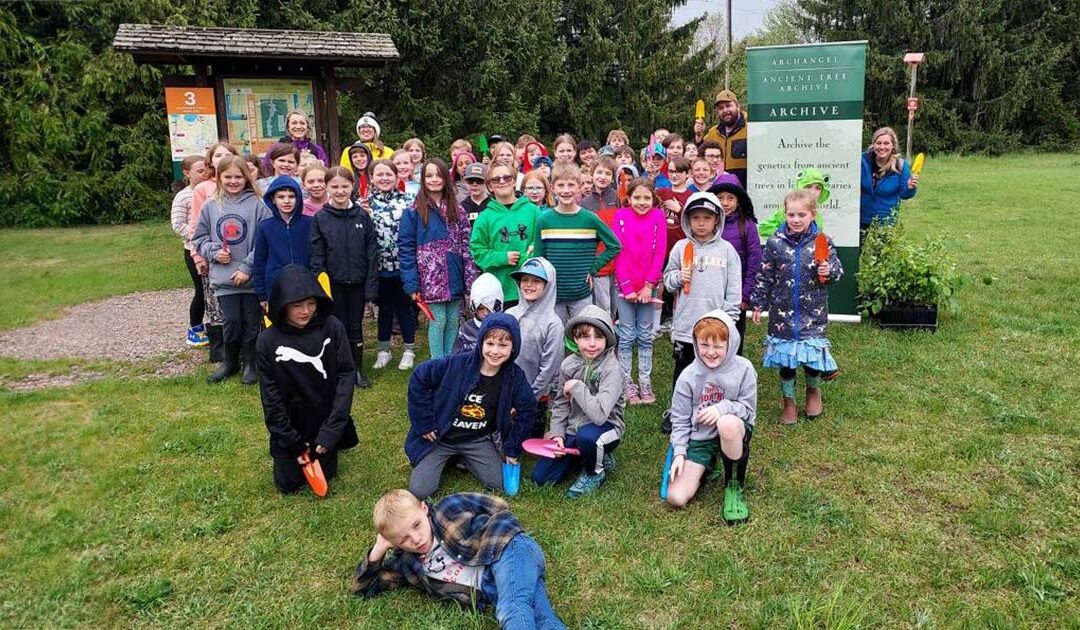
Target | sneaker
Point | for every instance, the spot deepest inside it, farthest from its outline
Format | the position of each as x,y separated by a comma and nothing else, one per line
645,393
407,360
631,393
585,484
735,509
609,463
196,337
382,359
665,421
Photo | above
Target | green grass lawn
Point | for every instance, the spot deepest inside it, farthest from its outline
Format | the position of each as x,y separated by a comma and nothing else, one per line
939,490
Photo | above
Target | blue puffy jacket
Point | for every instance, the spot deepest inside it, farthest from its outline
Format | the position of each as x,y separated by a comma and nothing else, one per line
438,387
883,200
278,243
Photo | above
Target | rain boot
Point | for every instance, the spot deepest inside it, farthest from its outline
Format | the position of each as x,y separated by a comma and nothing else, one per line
789,413
230,363
217,340
251,376
814,405
358,358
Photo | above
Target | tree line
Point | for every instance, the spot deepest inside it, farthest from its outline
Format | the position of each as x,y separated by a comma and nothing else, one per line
86,140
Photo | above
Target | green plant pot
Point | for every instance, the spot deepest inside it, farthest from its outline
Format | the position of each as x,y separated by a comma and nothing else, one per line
907,318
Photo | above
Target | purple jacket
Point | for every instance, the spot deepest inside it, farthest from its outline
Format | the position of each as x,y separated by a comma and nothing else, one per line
435,258
748,246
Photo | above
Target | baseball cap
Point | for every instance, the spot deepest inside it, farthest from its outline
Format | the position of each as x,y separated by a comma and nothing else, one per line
703,201
532,267
726,95
476,170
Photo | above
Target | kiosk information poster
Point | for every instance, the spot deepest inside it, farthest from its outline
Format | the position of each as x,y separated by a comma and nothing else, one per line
192,122
805,109
255,110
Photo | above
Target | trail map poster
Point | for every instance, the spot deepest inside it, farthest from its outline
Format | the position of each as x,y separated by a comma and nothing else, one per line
255,110
192,122
805,107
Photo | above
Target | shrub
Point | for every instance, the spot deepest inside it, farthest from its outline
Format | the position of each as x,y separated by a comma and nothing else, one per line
895,271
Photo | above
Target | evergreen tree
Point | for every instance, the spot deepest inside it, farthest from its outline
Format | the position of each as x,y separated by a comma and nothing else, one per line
998,75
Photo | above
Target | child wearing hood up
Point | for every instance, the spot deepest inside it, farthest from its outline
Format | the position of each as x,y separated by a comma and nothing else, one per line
360,159
460,405
485,298
713,408
306,379
587,411
811,179
282,239
541,331
713,278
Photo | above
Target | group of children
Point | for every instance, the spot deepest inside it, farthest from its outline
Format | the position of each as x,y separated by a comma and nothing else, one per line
576,253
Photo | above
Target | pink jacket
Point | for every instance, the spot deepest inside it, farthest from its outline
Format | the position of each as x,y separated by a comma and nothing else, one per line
644,241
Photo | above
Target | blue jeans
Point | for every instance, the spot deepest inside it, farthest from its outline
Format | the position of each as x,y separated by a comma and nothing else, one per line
635,325
521,601
593,440
443,330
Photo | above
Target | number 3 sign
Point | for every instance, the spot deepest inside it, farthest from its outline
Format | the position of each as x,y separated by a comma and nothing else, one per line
189,100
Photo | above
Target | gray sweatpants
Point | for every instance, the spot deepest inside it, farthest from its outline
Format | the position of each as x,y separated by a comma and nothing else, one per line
480,456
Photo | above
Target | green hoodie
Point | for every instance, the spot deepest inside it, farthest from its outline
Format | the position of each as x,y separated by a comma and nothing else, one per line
500,230
809,176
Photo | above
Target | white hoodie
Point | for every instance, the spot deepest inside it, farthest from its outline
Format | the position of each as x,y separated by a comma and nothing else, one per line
541,335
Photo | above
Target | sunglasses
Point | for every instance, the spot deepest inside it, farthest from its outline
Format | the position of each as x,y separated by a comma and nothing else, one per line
500,179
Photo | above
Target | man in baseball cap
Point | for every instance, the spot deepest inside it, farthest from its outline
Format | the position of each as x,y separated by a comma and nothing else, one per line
729,133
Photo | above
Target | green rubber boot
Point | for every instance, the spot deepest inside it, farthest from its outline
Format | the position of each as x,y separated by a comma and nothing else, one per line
735,509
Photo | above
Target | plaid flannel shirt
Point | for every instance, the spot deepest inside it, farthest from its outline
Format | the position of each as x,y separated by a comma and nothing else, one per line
474,528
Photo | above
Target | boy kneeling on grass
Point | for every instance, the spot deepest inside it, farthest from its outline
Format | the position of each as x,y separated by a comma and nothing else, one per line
587,412
468,548
712,413
460,405
306,379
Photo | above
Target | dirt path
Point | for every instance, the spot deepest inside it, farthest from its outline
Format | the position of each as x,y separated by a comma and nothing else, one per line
131,328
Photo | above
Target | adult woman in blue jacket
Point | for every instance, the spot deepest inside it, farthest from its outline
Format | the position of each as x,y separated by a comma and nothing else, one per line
886,179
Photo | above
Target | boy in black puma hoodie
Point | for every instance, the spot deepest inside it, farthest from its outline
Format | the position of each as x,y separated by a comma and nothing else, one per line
306,379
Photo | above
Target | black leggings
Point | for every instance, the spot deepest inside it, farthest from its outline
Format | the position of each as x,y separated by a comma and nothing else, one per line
198,302
243,317
393,302
789,373
349,308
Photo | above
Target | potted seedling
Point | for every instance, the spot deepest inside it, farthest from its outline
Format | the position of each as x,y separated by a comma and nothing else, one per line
902,284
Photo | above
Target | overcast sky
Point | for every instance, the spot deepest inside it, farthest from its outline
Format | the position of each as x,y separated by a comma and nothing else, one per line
745,16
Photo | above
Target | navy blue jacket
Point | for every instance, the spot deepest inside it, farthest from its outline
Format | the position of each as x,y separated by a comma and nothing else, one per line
438,387
883,200
278,243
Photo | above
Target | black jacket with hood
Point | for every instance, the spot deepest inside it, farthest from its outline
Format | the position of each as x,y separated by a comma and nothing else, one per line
306,375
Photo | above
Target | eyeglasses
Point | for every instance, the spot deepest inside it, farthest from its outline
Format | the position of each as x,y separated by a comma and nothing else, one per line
500,179
534,189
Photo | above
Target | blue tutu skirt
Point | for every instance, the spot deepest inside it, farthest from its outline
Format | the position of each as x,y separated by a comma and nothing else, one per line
788,353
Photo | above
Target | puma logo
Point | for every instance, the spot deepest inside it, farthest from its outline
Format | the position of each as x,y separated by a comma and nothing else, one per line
285,353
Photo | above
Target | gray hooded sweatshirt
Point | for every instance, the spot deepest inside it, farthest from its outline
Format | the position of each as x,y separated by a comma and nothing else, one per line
598,396
732,386
541,336
232,220
715,282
